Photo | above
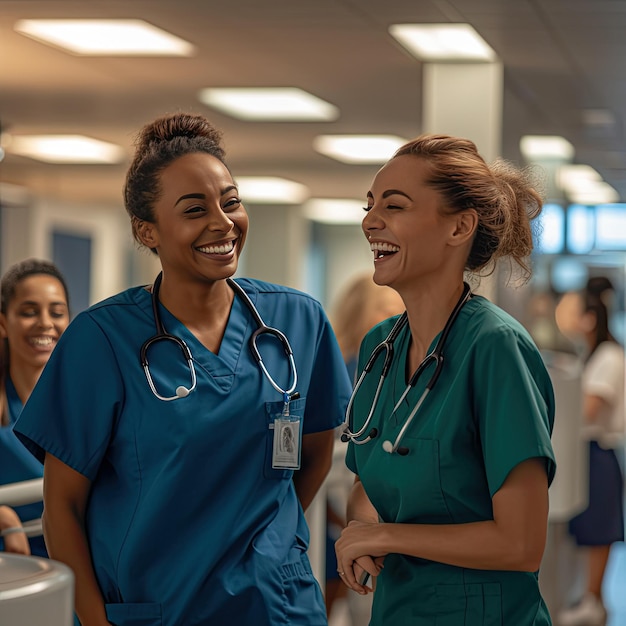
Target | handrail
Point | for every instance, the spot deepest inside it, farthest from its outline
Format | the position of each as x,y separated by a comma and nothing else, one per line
24,492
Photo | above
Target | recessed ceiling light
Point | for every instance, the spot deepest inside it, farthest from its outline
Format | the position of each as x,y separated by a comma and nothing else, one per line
442,42
535,147
577,176
334,210
65,149
358,148
597,192
269,104
106,37
270,190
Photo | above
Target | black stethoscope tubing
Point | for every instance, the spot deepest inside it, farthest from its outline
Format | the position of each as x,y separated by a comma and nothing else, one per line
436,356
262,328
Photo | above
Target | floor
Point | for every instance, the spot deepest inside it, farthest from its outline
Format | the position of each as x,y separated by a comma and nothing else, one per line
614,595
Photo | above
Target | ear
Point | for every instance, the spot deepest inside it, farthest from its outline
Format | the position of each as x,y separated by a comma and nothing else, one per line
465,225
146,233
3,328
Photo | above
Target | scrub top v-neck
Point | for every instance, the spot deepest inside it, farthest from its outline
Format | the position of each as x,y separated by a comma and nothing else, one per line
187,520
491,409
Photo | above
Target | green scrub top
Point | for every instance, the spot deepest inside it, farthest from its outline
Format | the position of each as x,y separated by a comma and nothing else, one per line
491,409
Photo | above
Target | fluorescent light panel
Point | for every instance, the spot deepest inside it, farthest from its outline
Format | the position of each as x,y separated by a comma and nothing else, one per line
443,42
106,37
536,147
358,148
269,104
271,190
65,149
334,210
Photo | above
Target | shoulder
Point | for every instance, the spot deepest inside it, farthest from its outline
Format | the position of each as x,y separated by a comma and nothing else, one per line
271,297
486,321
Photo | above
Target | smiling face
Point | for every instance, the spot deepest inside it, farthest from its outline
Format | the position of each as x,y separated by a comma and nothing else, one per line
410,235
35,317
200,222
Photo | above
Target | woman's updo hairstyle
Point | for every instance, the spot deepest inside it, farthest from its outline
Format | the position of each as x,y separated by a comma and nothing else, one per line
156,146
502,196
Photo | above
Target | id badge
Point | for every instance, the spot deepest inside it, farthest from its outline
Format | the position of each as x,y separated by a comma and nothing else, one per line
286,452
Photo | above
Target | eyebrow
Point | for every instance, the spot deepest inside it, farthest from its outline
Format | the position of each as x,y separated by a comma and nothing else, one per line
391,192
202,196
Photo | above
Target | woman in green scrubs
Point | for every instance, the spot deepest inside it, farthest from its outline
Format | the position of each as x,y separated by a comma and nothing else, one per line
449,519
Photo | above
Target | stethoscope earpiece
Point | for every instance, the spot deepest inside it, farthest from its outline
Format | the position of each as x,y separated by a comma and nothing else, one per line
388,446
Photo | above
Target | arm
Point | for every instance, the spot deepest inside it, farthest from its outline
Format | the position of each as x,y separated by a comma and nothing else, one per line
593,407
315,460
513,540
65,498
15,541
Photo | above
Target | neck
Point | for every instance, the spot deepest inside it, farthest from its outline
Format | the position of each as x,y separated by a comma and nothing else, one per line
428,310
24,380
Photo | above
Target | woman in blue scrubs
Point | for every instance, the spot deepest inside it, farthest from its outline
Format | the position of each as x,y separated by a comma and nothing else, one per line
34,312
176,490
450,514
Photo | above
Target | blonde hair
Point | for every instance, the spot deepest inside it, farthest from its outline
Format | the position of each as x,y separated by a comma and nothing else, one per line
362,305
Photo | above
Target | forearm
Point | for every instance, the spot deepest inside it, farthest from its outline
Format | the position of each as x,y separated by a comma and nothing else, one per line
316,458
359,506
66,542
15,540
478,545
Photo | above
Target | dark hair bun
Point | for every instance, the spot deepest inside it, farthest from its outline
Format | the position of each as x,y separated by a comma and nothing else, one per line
178,125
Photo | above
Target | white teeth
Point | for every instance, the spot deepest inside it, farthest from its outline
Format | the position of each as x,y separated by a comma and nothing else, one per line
41,341
223,249
383,247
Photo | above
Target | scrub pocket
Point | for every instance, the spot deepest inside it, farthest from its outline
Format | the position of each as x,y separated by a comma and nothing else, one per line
296,407
478,604
134,614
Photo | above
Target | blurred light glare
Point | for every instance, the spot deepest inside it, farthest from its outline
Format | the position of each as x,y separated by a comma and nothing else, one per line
577,176
358,148
271,190
65,149
92,37
334,210
443,42
594,193
269,104
537,147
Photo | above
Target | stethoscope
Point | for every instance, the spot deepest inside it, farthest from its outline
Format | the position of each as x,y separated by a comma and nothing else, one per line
436,356
262,329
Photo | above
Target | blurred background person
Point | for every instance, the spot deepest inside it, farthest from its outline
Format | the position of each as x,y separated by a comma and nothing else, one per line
34,312
601,524
359,307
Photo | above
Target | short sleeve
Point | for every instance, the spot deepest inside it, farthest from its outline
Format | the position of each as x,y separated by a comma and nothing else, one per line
514,404
604,373
329,388
72,410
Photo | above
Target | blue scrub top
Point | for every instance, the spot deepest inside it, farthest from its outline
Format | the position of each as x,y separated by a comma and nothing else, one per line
187,521
16,465
491,409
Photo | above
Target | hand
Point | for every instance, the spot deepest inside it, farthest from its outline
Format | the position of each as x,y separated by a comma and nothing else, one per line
357,554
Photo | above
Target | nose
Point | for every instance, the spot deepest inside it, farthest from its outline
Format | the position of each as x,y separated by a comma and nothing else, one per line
372,222
45,320
219,221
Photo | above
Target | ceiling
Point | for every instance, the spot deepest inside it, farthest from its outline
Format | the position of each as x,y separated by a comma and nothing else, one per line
564,74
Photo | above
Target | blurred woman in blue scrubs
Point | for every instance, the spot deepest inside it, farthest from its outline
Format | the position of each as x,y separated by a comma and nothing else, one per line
450,514
175,482
34,312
